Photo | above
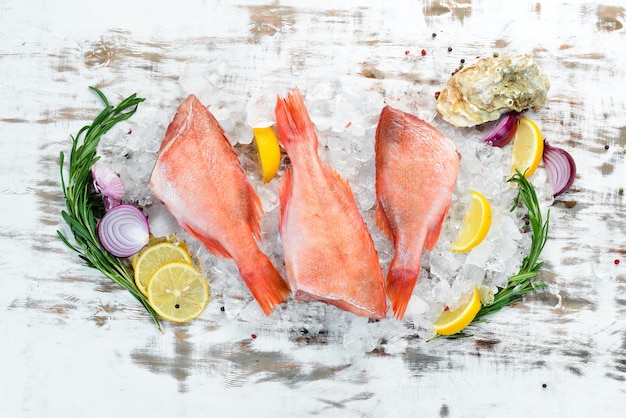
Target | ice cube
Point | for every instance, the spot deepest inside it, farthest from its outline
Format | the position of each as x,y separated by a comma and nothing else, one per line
443,264
252,313
162,223
319,101
440,292
268,193
479,255
194,80
360,338
260,109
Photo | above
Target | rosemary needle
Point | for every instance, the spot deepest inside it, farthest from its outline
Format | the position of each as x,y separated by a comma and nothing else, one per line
85,208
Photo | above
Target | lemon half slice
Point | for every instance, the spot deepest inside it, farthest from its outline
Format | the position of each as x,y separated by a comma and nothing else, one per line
476,224
178,292
154,256
451,322
269,151
527,148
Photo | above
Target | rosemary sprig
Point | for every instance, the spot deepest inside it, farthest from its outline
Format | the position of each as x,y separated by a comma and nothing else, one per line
85,208
521,283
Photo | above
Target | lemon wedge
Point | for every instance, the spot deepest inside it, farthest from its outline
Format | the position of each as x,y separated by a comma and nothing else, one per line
269,151
476,224
154,256
178,292
451,322
527,148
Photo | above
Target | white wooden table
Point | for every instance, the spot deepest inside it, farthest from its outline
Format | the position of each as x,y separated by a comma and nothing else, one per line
74,344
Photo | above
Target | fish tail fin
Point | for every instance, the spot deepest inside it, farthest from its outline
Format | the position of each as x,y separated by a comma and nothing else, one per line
266,284
400,283
293,121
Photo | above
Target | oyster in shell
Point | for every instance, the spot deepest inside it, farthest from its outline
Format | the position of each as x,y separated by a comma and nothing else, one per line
482,91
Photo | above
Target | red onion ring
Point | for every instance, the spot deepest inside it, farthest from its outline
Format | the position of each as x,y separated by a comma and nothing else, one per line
560,167
123,230
502,131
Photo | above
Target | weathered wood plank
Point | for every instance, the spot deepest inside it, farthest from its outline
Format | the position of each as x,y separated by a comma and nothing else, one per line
72,342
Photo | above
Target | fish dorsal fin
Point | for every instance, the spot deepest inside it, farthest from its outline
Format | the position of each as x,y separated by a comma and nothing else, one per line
381,219
212,245
341,183
433,233
180,123
284,195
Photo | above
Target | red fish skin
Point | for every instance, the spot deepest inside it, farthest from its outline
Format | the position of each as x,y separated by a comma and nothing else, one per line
199,179
329,253
416,171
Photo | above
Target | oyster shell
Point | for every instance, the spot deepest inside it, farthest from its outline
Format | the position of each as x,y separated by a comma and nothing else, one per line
481,92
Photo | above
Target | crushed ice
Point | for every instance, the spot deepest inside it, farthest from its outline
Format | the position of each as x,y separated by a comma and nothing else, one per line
345,118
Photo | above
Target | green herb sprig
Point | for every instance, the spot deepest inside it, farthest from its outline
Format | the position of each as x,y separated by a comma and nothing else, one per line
85,207
521,283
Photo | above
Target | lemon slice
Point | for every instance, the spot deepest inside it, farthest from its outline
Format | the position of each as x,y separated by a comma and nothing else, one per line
178,292
527,148
269,151
153,257
476,224
451,322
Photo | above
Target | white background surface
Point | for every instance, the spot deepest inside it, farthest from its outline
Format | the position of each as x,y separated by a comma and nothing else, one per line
73,344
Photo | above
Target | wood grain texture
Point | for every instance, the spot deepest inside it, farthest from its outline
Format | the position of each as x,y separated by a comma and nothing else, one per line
74,344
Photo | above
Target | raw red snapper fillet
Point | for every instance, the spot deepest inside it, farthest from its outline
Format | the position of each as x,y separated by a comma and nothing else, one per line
329,254
199,179
416,170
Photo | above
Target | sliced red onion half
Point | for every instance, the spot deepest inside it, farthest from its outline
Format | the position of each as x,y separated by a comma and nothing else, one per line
560,167
123,230
502,131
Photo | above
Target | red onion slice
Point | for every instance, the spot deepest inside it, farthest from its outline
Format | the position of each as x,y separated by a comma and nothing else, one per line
108,183
502,131
123,230
560,167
